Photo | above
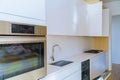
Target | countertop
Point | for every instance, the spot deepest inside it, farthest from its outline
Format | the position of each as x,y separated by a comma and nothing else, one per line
77,59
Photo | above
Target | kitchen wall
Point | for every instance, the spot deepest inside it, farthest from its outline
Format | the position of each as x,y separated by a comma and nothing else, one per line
68,46
116,39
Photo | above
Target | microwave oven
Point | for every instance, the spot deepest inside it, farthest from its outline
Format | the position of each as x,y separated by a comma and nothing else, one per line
9,28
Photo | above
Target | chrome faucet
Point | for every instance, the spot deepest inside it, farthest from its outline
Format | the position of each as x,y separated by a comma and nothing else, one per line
53,49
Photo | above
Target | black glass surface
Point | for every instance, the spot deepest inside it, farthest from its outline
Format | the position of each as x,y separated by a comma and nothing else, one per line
93,51
16,59
61,63
17,28
86,70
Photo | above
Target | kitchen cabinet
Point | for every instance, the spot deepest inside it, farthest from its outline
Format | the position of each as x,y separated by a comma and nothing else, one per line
97,65
27,11
61,17
82,28
74,76
90,22
76,17
106,22
73,72
93,20
91,65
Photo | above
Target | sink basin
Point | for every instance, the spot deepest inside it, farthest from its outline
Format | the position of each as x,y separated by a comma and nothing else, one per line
61,63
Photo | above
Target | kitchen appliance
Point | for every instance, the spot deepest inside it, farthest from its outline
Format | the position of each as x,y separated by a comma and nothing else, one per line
93,51
8,28
86,70
22,55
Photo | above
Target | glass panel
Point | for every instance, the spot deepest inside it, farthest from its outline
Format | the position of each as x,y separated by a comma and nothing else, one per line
20,58
16,28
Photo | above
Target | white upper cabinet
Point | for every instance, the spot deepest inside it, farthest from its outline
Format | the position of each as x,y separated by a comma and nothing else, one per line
82,26
25,11
90,22
76,18
61,17
106,22
94,19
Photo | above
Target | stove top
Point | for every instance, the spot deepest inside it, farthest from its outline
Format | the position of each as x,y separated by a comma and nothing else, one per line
93,51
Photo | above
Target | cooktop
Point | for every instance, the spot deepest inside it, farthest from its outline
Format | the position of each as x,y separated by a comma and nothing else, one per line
93,51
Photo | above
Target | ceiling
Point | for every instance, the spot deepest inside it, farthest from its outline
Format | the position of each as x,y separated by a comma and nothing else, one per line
109,0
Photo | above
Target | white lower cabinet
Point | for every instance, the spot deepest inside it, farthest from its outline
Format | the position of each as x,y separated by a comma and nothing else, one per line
74,76
70,73
106,22
97,65
74,72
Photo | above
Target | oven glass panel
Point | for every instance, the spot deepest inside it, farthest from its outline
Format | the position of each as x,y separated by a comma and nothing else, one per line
17,28
16,59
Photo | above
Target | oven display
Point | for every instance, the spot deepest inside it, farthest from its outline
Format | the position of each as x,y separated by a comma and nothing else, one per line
17,28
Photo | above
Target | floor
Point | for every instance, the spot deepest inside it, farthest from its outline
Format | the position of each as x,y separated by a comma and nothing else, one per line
115,72
110,78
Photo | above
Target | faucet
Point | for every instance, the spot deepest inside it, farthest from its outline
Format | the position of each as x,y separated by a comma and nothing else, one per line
53,49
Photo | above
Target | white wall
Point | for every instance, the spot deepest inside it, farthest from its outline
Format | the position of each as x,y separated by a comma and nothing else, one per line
116,39
69,46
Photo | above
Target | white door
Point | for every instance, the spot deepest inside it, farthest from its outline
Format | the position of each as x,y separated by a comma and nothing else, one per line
60,17
82,26
94,19
97,65
106,22
89,19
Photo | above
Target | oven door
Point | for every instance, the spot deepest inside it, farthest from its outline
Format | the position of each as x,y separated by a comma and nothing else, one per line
22,58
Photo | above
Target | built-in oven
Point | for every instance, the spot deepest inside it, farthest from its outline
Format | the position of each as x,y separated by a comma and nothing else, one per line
22,57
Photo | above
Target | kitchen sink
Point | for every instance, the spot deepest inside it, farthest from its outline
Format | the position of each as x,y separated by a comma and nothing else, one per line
61,63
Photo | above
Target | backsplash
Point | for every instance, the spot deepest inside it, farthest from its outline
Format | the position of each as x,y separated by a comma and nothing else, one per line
69,46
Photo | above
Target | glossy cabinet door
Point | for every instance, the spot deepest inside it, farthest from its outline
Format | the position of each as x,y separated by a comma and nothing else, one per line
61,17
74,76
106,22
75,17
28,9
94,19
90,19
82,28
97,65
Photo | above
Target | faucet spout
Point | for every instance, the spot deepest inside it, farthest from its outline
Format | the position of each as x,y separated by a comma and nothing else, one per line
53,50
